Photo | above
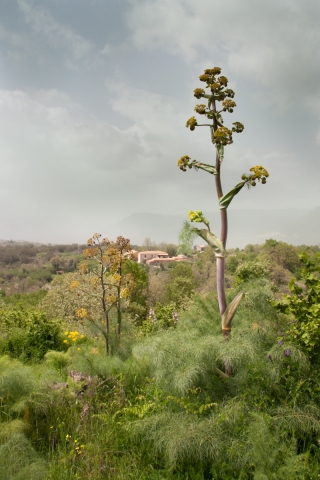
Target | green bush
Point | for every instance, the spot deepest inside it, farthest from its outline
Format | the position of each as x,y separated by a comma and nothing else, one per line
304,306
28,334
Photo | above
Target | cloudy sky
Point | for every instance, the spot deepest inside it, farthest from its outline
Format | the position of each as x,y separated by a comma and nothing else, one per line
94,96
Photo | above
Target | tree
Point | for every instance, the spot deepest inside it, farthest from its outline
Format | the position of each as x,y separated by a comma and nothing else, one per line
108,282
221,136
186,239
171,249
304,305
181,284
283,254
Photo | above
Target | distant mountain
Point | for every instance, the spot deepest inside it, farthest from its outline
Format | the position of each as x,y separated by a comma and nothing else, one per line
295,226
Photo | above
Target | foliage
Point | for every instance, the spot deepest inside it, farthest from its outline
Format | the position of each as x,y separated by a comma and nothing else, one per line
161,317
186,239
28,300
180,284
304,306
161,406
28,334
62,301
283,254
252,269
137,305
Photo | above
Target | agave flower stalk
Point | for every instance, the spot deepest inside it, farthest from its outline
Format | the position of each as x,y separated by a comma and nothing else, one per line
221,136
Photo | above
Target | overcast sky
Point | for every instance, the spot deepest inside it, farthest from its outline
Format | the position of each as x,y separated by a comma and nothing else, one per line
94,96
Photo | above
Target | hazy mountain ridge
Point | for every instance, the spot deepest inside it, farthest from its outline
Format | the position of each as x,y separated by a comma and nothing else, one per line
295,226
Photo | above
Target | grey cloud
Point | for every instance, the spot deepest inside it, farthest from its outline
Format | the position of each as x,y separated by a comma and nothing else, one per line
57,34
273,43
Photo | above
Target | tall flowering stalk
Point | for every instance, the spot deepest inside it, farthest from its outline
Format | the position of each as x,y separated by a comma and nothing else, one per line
221,136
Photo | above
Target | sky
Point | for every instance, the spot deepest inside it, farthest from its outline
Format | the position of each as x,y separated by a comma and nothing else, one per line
95,94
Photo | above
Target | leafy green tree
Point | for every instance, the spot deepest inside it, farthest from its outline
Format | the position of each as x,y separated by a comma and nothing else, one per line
304,305
181,284
221,136
137,306
171,249
249,270
283,254
186,239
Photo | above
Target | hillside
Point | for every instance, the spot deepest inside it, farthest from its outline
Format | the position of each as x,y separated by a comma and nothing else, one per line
294,226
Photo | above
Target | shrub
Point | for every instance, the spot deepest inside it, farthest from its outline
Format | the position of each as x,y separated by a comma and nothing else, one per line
28,334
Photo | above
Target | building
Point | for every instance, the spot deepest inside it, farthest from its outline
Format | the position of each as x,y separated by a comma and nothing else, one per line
143,257
200,248
163,261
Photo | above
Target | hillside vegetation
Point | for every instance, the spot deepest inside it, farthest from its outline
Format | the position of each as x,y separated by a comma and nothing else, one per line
159,405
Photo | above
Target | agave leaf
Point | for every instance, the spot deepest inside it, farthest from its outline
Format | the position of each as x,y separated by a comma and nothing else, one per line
211,239
220,151
207,168
212,135
225,201
231,310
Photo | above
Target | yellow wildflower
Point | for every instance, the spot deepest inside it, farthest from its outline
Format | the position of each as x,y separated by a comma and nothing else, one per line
259,171
82,313
192,123
125,292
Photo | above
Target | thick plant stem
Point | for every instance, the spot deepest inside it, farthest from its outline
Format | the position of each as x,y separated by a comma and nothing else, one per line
223,237
220,284
220,259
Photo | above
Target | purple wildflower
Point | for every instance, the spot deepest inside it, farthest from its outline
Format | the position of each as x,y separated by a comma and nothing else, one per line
287,353
269,356
280,343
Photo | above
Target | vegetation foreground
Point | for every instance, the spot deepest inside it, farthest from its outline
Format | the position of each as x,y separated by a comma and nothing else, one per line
159,405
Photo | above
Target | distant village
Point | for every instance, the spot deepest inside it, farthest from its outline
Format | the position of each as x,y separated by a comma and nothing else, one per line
157,258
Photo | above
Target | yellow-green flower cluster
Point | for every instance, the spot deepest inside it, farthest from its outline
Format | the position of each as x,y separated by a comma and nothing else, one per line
258,173
82,313
78,448
238,127
199,92
75,284
223,136
219,92
201,109
124,292
83,269
228,105
183,163
197,216
72,337
192,123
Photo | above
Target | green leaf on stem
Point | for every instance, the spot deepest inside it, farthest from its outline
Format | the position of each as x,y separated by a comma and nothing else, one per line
220,151
206,167
211,240
225,201
231,310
